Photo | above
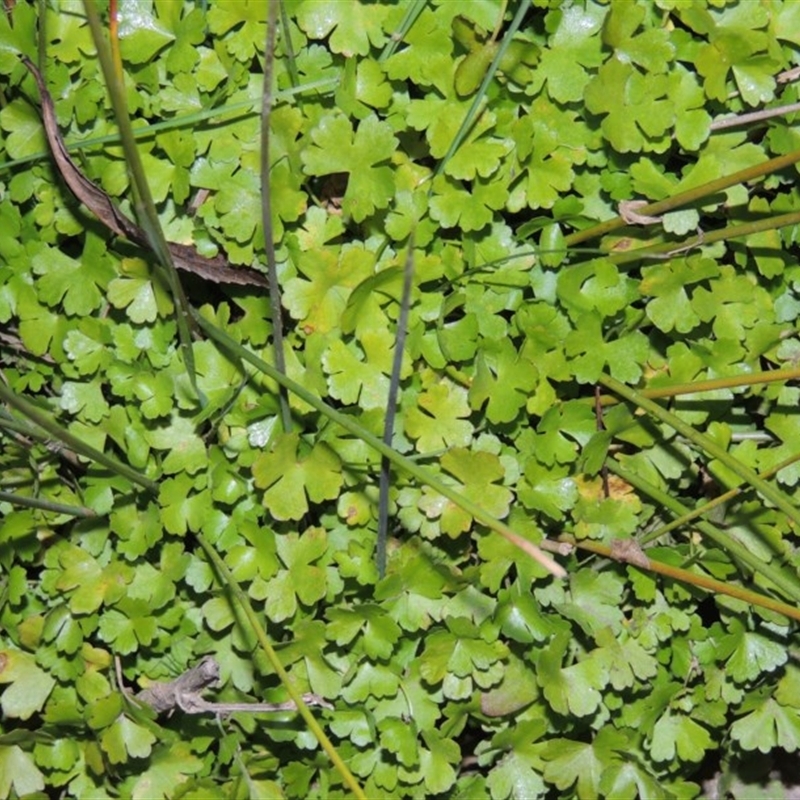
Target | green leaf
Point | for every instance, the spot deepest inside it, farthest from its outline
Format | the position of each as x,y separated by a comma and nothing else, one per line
470,208
437,762
92,584
425,58
242,28
440,418
678,735
360,379
574,47
302,579
439,118
637,111
239,204
28,686
73,285
141,33
504,378
17,32
292,474
87,348
628,780
550,175
400,738
39,329
623,357
692,125
651,49
84,400
460,652
371,681
628,661
520,771
307,652
128,628
516,690
750,654
477,156
767,726
24,128
378,632
319,300
338,148
142,300
738,46
181,509
733,303
594,601
19,772
615,517
571,690
352,28
597,287
583,763
125,739
298,553
477,474
187,452
169,767
672,308
547,489
766,246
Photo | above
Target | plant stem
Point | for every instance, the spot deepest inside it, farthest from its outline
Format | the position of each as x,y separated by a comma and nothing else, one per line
57,431
706,443
46,505
711,385
668,249
705,508
302,708
753,116
786,583
689,196
692,578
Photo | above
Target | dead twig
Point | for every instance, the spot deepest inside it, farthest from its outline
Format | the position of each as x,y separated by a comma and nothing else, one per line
753,116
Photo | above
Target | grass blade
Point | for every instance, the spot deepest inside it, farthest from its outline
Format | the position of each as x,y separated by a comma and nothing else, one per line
391,408
472,114
57,431
302,708
266,216
143,198
700,440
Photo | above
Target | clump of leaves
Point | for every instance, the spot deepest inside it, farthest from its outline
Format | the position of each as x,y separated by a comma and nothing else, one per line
156,507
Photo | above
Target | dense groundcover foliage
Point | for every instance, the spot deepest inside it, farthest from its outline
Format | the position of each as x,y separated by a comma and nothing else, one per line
468,670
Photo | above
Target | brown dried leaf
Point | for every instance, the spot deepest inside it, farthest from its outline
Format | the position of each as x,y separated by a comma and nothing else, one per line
184,257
